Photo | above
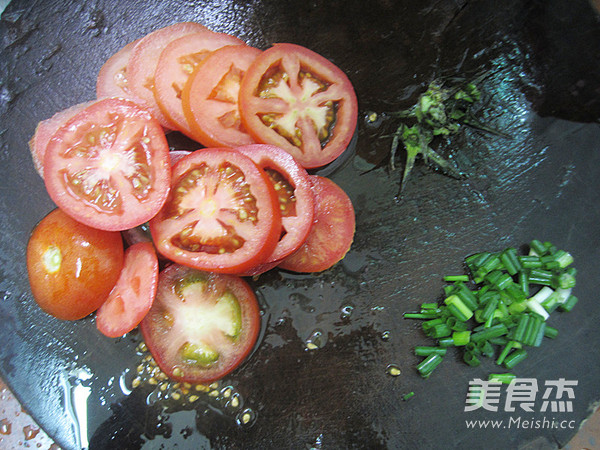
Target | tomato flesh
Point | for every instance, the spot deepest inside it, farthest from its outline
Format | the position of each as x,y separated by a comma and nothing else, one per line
332,230
294,193
132,296
202,325
210,97
72,267
298,100
108,166
221,214
112,78
175,66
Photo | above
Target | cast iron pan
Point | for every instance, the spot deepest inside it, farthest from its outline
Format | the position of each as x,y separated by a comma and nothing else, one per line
543,89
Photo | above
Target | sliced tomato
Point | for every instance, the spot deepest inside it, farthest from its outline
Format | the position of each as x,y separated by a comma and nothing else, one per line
112,78
296,200
44,131
72,267
132,296
176,155
221,215
108,166
300,101
177,62
201,325
143,61
332,232
210,98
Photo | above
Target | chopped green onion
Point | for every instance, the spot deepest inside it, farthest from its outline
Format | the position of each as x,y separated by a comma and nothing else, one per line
505,378
408,396
471,359
490,332
453,278
515,358
538,247
568,305
550,332
423,350
458,308
428,365
563,258
530,262
505,351
461,337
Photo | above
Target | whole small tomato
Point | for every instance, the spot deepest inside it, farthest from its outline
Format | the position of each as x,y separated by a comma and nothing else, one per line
72,267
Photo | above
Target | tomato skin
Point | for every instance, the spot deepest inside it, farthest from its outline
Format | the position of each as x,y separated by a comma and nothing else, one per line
332,232
295,103
90,263
297,218
213,115
210,210
173,72
132,296
143,61
165,328
108,166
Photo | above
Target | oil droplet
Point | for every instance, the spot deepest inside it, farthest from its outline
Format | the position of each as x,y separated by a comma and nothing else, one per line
346,311
386,335
5,426
246,418
30,432
393,370
316,340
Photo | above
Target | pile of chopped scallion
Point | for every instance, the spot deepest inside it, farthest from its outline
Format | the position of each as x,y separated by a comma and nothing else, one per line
505,313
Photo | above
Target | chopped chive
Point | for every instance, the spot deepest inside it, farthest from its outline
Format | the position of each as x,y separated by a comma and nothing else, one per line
453,278
537,308
431,305
408,396
518,334
505,378
485,348
422,350
505,351
563,258
538,247
533,326
421,315
510,261
530,262
428,365
514,358
461,337
524,282
446,341
550,332
466,295
566,280
490,332
458,308
471,359
569,304
489,308
456,325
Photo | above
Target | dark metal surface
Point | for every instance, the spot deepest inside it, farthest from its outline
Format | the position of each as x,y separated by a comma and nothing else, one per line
543,58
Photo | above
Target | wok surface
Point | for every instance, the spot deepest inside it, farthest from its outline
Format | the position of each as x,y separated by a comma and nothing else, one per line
542,88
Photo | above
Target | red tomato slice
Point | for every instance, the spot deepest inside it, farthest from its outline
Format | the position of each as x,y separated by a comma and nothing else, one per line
72,267
221,215
131,298
201,325
296,200
332,232
210,97
112,78
108,166
175,65
44,131
298,100
144,60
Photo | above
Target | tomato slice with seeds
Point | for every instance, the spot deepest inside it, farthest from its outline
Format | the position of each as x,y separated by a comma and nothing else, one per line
210,97
298,100
332,232
177,62
131,298
202,325
46,129
143,61
108,166
112,78
296,200
221,215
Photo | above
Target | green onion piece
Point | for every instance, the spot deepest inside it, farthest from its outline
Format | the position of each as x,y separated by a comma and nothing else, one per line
517,307
550,332
490,332
515,292
510,261
537,308
489,308
423,350
453,278
471,347
446,341
505,351
428,365
431,305
440,330
530,262
537,340
540,276
490,320
569,304
421,315
518,334
492,263
538,247
485,348
550,248
449,290
500,340
456,325
471,359
565,281
408,396
461,337
531,332
466,295
504,378
514,358
524,282
563,258
458,308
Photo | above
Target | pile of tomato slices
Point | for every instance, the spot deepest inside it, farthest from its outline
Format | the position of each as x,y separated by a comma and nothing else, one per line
194,223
